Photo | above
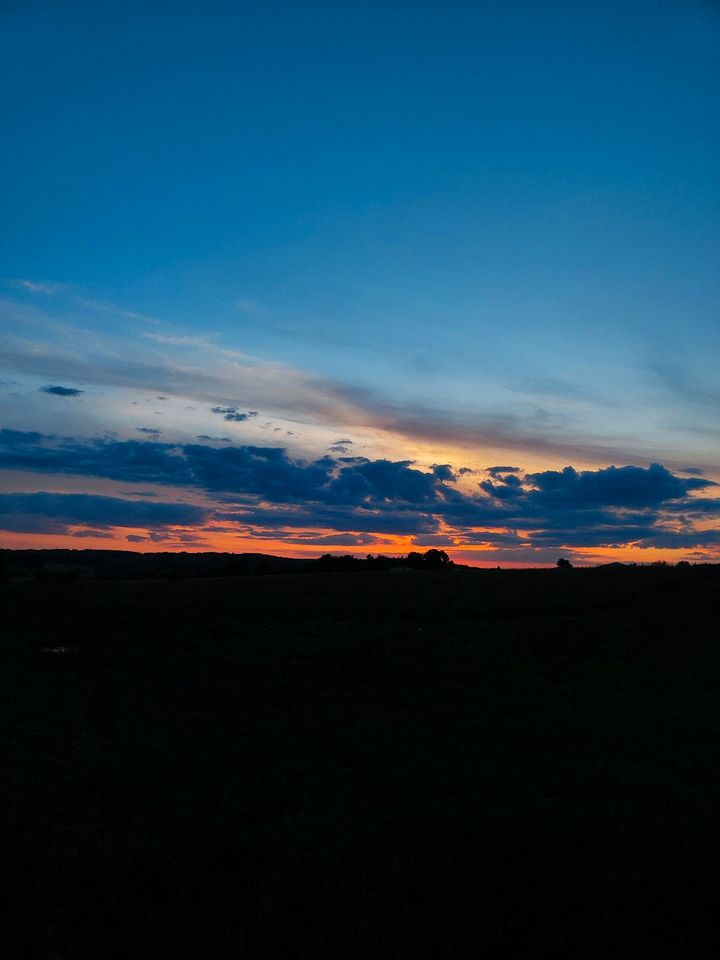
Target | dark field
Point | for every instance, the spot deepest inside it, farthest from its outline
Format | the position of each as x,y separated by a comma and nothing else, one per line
429,764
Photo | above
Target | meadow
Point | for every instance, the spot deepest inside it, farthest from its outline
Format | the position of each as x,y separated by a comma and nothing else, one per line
397,764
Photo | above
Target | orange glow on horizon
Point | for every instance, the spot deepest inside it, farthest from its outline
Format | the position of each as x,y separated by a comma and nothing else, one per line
209,540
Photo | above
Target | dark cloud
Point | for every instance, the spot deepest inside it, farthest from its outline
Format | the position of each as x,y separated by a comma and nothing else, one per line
150,431
204,436
58,391
264,487
678,540
339,540
444,472
614,486
509,486
497,472
129,460
232,414
696,507
395,519
266,471
600,536
22,438
54,512
378,481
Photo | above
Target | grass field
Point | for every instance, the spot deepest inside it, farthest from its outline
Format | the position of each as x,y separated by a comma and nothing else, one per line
432,764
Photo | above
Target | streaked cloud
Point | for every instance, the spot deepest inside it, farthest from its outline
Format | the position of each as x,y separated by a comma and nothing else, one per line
199,370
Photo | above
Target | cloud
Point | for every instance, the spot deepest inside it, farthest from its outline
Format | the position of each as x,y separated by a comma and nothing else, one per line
55,512
339,540
58,391
180,340
233,414
616,535
614,486
492,538
497,472
678,540
151,431
509,487
91,534
265,488
686,386
251,307
558,389
444,472
34,286
378,481
396,520
205,372
71,294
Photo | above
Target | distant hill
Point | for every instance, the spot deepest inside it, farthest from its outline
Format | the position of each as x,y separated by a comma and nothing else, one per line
69,565
130,565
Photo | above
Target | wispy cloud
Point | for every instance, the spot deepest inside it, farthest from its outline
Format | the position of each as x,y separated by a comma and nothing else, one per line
34,286
75,296
559,389
202,371
249,306
285,391
181,340
687,387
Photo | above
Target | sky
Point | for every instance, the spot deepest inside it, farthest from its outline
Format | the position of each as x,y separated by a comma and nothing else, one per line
362,277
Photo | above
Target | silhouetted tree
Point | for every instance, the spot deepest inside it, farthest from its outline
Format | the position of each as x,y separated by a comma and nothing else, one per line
430,560
563,564
436,558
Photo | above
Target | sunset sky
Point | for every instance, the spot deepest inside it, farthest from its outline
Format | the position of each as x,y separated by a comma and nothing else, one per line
370,277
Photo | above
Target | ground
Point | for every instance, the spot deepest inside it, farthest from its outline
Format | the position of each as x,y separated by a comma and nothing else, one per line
434,764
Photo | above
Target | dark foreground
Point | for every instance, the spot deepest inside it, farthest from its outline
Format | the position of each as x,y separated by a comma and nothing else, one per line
432,764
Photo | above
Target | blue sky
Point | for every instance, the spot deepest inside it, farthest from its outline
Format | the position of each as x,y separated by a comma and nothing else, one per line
447,232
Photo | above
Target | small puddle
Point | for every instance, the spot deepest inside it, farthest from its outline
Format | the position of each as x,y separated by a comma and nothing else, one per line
59,649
